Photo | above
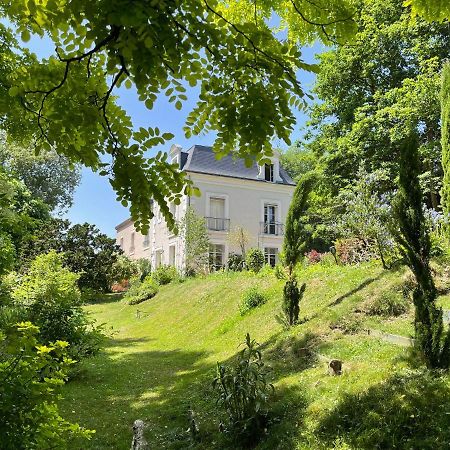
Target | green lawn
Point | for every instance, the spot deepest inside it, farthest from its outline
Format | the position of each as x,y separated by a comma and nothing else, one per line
161,361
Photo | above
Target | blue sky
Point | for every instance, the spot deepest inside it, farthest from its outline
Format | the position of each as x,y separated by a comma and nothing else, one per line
94,200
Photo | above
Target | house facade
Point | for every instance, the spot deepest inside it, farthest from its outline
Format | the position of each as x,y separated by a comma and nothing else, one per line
256,198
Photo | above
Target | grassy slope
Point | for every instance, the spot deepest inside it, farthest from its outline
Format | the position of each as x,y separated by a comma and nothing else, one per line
157,366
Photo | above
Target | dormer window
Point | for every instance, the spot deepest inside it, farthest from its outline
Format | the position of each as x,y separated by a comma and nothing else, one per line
268,172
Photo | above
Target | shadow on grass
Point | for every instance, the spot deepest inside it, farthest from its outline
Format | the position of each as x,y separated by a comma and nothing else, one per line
126,342
409,411
292,354
158,387
356,289
99,299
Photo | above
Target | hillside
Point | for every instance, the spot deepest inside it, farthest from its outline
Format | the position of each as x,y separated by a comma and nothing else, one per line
162,357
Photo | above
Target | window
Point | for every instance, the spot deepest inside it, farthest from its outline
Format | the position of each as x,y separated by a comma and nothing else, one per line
121,243
172,255
173,209
271,255
268,172
146,242
158,258
216,220
270,221
216,256
132,243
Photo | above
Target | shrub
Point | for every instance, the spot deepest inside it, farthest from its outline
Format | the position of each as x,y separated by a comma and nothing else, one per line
164,275
314,257
140,292
350,324
252,298
280,272
292,296
123,269
235,262
144,268
29,374
254,260
389,303
48,295
244,393
354,251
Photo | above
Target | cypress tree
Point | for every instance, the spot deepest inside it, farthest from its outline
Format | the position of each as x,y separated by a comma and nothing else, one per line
294,247
445,137
294,235
412,235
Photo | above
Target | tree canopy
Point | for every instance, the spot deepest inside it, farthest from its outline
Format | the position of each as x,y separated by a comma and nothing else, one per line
48,176
373,92
244,67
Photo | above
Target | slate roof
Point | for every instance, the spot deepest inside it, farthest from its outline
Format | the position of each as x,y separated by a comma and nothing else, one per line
202,159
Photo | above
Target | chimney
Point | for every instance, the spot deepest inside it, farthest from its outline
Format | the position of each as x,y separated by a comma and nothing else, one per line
175,154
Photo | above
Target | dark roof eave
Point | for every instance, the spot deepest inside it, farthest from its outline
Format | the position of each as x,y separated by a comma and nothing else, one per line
125,222
238,178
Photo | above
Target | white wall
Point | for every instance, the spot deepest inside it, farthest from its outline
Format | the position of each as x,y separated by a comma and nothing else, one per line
244,204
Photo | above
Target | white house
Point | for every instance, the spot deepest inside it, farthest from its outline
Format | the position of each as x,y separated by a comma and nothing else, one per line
256,198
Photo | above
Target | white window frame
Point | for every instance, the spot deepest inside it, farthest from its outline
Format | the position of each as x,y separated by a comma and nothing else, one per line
210,195
271,202
224,253
267,255
132,243
271,166
146,242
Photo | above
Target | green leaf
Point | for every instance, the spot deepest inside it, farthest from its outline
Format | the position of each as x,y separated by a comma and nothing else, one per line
25,36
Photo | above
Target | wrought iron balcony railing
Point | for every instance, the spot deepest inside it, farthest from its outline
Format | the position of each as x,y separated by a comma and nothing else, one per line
272,228
217,224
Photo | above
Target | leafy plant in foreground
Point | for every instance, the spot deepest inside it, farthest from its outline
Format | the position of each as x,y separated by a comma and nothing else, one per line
244,393
30,373
49,296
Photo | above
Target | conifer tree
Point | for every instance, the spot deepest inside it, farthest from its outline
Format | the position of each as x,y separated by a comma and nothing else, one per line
445,137
412,235
294,247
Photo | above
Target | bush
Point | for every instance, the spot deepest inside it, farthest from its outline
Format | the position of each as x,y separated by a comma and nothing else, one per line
48,295
350,324
254,260
140,292
235,262
389,303
144,268
252,298
122,269
244,393
29,374
314,257
164,275
355,251
292,296
280,272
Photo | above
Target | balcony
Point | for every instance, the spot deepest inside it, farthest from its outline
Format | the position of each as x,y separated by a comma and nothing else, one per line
217,224
272,228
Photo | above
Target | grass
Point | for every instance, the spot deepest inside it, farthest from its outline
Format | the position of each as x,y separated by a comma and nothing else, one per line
161,358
